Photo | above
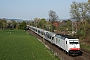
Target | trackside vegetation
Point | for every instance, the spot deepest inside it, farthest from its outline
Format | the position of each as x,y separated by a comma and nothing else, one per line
19,45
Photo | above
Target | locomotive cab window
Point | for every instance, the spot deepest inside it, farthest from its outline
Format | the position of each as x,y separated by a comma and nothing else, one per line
74,42
66,42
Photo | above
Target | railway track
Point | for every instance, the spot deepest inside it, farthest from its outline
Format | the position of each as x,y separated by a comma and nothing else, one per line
59,52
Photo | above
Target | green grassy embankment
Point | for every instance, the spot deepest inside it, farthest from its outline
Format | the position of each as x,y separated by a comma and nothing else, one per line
85,42
18,45
85,47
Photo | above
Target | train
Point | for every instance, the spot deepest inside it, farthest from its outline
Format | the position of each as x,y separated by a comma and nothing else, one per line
69,44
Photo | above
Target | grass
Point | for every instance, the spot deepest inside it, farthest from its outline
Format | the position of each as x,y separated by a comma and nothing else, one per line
18,45
86,47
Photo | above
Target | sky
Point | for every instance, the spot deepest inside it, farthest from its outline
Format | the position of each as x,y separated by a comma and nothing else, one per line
30,9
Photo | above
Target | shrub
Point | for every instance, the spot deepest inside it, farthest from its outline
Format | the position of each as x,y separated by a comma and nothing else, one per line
80,33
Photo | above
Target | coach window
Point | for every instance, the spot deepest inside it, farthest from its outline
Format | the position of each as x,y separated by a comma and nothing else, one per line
56,40
50,37
44,34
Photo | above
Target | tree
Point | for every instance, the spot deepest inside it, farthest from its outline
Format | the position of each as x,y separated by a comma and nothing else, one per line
89,1
9,24
74,11
36,21
22,25
14,24
3,23
52,17
0,24
79,11
42,23
69,25
89,9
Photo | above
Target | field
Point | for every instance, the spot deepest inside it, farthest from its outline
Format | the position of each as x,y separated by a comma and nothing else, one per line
19,45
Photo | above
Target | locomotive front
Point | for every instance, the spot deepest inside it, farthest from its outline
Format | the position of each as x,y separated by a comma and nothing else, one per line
74,47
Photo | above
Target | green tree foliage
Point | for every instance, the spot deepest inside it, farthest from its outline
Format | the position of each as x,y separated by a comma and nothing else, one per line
42,23
69,25
66,25
32,23
80,34
0,24
14,24
36,21
22,25
11,24
3,24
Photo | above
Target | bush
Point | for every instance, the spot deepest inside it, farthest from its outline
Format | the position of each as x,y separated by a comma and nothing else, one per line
80,33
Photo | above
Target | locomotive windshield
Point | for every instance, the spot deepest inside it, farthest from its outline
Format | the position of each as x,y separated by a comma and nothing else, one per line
74,42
